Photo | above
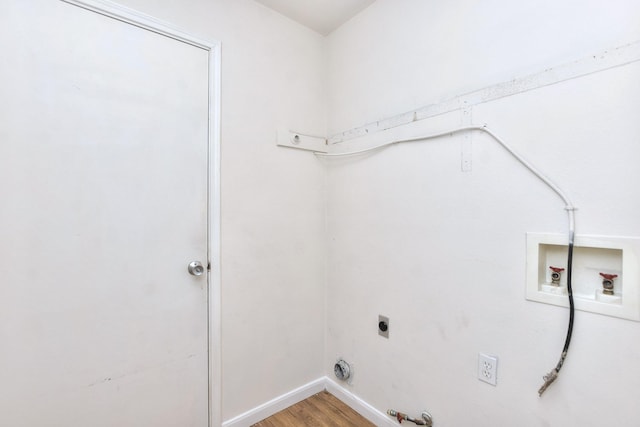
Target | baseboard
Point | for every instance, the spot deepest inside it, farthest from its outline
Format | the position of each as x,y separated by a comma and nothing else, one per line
273,406
377,417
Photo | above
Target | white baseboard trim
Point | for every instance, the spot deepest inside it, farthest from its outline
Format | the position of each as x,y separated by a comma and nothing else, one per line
273,406
377,417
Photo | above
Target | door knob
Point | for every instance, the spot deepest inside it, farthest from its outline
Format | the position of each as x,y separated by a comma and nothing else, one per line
196,268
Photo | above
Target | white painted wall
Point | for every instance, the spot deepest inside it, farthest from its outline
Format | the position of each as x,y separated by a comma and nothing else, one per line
272,199
439,251
442,252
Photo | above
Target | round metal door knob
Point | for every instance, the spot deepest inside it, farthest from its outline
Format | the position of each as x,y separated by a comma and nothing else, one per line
196,268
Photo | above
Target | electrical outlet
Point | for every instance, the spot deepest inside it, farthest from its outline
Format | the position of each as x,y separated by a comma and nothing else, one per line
487,368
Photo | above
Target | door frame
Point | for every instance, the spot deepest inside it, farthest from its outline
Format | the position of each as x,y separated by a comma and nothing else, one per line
149,23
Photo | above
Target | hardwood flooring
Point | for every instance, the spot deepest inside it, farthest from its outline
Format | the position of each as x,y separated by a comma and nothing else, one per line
320,410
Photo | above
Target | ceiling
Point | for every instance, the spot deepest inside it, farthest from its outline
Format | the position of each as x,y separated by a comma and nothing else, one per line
323,16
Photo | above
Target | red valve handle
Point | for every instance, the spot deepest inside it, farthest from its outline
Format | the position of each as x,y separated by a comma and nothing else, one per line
609,276
558,269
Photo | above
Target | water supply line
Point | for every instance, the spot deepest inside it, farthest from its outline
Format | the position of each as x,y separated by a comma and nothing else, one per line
551,376
425,419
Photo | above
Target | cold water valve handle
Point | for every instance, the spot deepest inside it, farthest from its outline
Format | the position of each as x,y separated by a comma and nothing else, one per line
607,283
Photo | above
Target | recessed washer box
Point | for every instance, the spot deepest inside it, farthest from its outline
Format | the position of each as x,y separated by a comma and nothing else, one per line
592,255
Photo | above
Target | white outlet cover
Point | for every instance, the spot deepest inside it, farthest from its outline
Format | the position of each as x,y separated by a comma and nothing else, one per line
488,368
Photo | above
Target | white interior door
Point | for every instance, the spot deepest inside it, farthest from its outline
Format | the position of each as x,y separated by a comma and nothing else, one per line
103,204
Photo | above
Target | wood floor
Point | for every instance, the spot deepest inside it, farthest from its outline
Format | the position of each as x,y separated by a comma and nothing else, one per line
320,410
